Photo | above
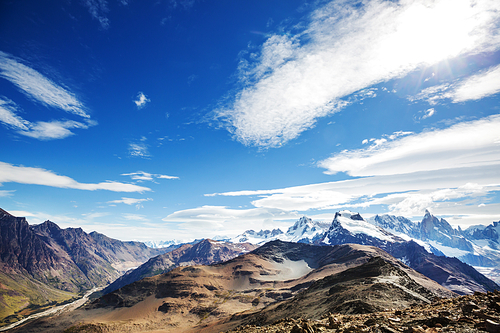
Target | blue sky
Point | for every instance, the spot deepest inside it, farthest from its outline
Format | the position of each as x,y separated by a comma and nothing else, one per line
159,120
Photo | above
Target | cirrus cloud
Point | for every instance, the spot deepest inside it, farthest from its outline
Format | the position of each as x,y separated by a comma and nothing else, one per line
343,49
38,176
478,86
38,87
467,144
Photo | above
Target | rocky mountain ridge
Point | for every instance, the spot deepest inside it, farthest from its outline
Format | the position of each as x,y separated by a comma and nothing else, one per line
205,252
43,263
477,246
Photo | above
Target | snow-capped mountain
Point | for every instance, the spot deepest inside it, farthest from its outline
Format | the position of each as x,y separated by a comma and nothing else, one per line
305,230
397,225
487,235
348,227
254,237
161,244
476,246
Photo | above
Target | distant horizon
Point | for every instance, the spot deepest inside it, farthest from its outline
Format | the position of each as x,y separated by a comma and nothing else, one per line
182,119
180,241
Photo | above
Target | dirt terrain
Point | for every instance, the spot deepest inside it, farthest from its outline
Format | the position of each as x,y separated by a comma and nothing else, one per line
276,281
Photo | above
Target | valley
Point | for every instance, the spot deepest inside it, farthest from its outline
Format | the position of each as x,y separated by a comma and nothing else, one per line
352,267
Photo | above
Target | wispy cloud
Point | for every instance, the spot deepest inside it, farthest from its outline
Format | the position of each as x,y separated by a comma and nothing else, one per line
38,176
4,193
343,49
425,114
42,130
433,150
38,87
139,149
141,100
444,191
8,116
98,9
221,219
55,129
185,4
476,87
141,175
135,217
131,201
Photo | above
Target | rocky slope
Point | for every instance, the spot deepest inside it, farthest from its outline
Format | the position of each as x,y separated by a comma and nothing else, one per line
472,313
43,263
371,287
205,252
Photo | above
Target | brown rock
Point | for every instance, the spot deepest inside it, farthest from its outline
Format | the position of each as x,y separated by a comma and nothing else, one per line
492,326
467,308
466,320
333,322
387,329
296,329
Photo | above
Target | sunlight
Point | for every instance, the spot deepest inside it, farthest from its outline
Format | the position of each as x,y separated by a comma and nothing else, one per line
429,34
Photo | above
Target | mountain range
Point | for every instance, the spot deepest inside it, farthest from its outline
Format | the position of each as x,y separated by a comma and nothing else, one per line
351,265
205,252
275,281
42,264
477,246
348,227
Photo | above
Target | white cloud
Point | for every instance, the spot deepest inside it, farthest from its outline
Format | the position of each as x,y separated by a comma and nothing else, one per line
141,100
141,175
167,177
227,221
466,144
98,9
53,130
428,113
38,87
478,86
135,217
348,48
131,201
450,192
4,193
421,115
41,130
9,117
139,149
20,213
481,85
38,176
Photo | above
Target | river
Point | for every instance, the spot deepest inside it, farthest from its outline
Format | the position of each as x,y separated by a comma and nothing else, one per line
53,311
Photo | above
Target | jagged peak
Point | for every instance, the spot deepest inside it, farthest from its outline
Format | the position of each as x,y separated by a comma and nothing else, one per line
47,225
304,220
349,214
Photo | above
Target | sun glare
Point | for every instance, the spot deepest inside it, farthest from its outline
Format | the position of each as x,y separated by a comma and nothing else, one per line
429,34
